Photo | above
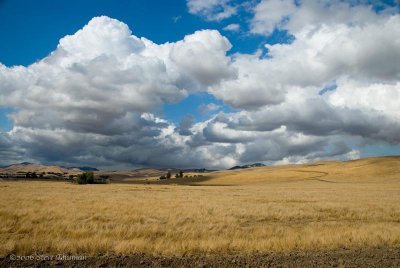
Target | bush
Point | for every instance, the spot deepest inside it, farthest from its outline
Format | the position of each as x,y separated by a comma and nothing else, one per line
81,179
89,177
163,177
86,177
104,179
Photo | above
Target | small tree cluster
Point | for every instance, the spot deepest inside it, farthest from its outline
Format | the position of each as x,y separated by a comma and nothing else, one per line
179,175
105,179
167,176
85,178
31,175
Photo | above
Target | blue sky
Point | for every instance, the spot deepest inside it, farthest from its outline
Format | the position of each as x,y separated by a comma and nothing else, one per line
277,85
30,30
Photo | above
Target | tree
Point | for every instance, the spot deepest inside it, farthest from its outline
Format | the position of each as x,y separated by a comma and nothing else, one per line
168,175
90,177
86,177
105,179
81,179
181,173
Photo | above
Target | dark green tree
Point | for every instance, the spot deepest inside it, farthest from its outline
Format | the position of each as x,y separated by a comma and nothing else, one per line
90,177
86,177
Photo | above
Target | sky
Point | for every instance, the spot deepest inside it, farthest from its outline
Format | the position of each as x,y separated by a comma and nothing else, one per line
198,83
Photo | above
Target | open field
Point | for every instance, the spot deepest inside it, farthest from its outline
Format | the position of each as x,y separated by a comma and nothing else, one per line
325,206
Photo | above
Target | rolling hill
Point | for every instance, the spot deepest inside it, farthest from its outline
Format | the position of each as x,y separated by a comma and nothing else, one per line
378,169
26,167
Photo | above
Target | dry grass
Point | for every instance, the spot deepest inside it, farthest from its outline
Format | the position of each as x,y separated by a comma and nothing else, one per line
377,170
261,212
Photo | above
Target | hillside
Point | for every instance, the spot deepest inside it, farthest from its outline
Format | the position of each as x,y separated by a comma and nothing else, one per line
20,170
315,207
247,166
379,169
37,168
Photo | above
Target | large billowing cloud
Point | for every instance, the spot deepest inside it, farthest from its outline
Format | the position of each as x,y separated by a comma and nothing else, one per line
368,53
352,47
94,100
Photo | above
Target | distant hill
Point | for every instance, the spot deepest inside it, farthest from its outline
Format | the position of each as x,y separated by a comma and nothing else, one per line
368,169
85,168
141,173
373,170
21,170
247,166
26,167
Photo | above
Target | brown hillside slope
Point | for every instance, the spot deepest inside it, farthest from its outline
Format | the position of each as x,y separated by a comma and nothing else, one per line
38,168
380,169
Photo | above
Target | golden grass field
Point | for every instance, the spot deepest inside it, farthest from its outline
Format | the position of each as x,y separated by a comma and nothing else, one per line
325,205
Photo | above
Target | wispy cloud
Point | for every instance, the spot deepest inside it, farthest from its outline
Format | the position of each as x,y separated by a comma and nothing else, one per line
234,27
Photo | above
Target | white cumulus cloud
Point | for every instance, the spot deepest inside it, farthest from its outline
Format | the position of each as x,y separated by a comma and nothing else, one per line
97,98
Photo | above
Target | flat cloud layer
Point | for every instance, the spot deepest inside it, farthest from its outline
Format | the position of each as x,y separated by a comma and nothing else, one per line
94,100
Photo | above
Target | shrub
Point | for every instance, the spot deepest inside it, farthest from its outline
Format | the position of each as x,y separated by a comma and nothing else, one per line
104,179
89,177
86,177
163,177
81,179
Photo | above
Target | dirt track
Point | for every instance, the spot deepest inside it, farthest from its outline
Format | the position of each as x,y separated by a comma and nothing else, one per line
375,257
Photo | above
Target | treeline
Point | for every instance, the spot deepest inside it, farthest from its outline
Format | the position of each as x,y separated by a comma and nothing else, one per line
177,175
168,175
89,178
